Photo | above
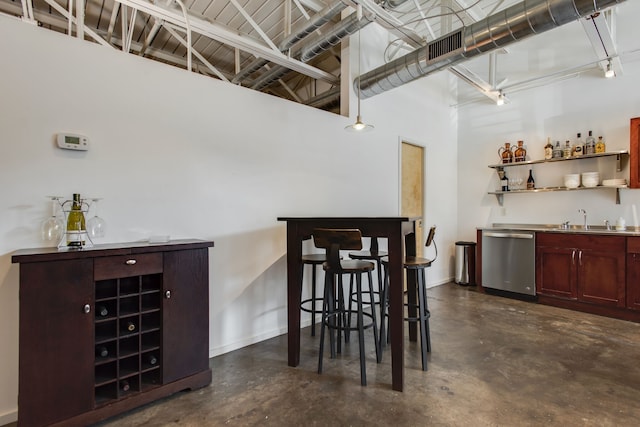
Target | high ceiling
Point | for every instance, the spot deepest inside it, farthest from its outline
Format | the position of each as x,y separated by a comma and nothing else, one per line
291,48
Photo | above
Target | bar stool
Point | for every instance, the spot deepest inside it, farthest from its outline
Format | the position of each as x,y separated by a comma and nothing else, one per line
309,305
334,312
373,254
419,311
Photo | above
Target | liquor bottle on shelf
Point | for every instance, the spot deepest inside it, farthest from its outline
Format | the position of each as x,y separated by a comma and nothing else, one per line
579,146
102,311
590,144
531,184
76,228
124,385
520,153
548,150
567,150
504,181
557,151
600,145
102,351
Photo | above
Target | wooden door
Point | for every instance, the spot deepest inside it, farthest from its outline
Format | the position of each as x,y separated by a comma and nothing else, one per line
601,276
412,171
556,272
56,341
185,317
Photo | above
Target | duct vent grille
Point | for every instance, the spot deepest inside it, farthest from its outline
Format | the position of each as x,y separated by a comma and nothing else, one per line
445,45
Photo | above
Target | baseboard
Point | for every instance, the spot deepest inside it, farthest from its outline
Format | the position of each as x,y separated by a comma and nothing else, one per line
9,417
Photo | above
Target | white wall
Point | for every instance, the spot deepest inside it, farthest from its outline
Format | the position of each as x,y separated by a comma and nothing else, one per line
559,111
192,157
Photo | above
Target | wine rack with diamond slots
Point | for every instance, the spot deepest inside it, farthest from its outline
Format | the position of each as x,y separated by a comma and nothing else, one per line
106,329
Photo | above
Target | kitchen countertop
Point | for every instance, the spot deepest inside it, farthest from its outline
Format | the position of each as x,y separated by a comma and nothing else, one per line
557,228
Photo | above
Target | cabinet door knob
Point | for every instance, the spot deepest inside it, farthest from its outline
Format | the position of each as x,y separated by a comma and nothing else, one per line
167,294
130,261
87,308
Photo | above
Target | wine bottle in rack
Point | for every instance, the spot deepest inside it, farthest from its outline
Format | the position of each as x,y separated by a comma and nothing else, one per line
76,228
102,351
102,311
129,326
151,359
124,385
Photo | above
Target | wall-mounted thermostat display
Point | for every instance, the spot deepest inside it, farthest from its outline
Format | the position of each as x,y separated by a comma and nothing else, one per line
70,141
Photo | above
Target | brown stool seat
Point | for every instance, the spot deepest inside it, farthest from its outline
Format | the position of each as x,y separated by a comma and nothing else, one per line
411,262
352,266
314,258
368,254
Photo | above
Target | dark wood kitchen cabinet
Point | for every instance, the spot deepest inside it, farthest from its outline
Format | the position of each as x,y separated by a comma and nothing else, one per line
633,273
587,268
634,153
109,328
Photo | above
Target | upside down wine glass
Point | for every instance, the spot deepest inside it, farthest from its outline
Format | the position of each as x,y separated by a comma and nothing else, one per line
96,226
53,228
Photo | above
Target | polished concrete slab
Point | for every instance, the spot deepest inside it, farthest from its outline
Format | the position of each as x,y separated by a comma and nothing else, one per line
495,362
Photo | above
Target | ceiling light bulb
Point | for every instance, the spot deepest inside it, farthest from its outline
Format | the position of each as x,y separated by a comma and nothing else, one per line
500,100
609,73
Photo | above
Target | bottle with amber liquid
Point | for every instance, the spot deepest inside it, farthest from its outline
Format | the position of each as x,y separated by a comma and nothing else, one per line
600,145
505,153
76,228
520,153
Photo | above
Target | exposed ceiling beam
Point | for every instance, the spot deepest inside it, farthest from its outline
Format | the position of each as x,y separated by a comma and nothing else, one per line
230,37
601,36
394,25
472,9
254,25
72,18
314,5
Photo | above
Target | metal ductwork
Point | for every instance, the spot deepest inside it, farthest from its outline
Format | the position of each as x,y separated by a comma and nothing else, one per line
347,26
309,27
503,28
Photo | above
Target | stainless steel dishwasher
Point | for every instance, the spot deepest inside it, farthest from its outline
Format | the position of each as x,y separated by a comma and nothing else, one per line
508,261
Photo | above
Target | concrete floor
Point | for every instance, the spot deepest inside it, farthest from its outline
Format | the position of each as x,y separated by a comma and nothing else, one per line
495,362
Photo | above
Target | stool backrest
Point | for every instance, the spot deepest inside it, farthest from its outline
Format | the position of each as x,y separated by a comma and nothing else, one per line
333,240
431,240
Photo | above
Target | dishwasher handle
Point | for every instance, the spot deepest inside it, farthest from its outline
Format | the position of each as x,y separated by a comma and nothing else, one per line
508,235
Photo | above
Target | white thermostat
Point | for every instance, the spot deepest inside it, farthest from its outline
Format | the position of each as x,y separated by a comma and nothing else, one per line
71,141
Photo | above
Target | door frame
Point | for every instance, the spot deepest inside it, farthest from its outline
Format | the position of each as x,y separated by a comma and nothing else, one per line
422,145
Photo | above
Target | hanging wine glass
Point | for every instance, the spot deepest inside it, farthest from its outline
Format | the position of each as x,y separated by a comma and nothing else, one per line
53,228
96,226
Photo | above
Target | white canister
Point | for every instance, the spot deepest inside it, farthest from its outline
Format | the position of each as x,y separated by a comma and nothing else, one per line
621,224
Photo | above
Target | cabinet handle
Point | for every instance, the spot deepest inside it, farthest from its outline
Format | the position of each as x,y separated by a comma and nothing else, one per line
130,261
167,294
87,309
573,257
580,258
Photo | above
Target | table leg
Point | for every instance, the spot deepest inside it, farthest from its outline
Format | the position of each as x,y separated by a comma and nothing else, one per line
410,248
396,315
294,271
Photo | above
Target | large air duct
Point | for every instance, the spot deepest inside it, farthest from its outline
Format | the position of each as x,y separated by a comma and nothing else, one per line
501,29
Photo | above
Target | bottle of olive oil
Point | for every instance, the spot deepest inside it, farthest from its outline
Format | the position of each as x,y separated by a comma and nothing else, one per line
76,228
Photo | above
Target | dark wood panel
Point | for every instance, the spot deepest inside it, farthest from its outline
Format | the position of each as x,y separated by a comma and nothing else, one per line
633,244
556,272
633,281
634,153
56,336
185,313
601,276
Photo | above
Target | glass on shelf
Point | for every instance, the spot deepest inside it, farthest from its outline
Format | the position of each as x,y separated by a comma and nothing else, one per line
96,226
53,228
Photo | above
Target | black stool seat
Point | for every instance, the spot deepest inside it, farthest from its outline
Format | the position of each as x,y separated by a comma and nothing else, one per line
314,259
352,266
367,254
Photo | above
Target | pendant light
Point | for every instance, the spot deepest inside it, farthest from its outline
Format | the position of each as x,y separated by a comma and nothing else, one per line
359,126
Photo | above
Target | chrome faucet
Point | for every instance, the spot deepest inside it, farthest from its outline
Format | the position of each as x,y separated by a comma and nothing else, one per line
584,214
607,225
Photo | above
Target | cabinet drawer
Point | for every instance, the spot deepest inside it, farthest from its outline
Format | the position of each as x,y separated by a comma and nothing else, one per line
127,265
582,241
